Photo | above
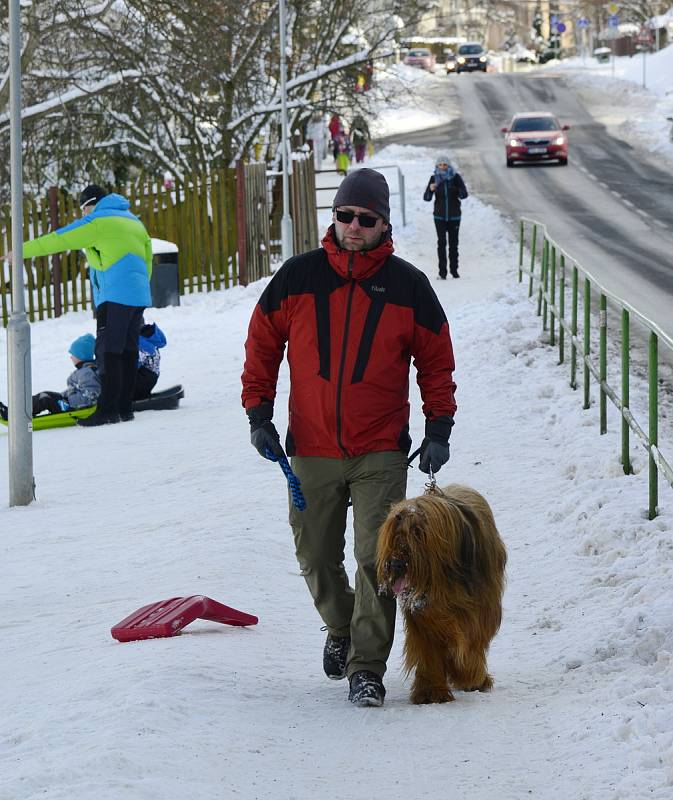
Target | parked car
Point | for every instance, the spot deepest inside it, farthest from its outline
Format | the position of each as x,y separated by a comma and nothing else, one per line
471,56
421,57
450,61
536,136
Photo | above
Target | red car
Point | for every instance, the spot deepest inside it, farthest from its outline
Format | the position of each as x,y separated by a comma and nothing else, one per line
536,136
421,57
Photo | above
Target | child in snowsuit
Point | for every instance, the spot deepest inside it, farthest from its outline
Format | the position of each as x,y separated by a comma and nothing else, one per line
83,385
149,359
448,189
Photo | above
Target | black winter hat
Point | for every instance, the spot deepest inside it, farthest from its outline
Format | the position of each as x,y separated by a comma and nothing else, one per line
91,195
366,188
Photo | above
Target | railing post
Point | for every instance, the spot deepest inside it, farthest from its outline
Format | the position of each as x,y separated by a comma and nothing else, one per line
521,235
653,373
543,274
403,197
587,340
573,329
552,298
603,361
626,459
533,248
562,309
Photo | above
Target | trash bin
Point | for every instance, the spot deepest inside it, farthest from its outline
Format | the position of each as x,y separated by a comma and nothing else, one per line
602,54
165,282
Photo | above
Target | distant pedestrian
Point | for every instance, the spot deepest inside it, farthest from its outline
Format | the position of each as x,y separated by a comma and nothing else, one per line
359,137
342,151
447,188
119,254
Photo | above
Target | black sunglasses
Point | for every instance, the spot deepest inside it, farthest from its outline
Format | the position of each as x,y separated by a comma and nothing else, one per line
364,220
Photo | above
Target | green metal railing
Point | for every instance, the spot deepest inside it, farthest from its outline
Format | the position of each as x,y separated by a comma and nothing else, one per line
549,266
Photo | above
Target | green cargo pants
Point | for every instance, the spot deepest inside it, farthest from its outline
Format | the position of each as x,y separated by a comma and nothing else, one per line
374,482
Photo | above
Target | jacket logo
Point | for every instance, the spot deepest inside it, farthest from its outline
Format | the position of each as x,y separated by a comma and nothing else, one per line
378,288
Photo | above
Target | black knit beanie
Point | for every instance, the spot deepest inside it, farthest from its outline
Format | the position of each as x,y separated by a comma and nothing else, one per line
366,188
91,195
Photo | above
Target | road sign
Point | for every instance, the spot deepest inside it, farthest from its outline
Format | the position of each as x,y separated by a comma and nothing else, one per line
583,22
613,21
553,19
613,8
561,27
645,36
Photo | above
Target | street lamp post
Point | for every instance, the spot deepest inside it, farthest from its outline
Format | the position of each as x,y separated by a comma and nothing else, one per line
286,219
21,483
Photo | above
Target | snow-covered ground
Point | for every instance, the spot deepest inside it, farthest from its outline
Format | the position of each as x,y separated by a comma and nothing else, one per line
179,503
615,95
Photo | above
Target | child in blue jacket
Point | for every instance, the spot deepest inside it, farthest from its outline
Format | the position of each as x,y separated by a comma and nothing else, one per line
83,385
149,359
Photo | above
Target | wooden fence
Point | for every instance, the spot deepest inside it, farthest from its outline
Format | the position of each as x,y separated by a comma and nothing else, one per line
220,222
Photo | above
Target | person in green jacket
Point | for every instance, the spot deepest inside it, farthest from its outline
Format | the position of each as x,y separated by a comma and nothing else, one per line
119,253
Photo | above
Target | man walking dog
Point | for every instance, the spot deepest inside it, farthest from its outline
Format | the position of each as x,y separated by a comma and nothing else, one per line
353,316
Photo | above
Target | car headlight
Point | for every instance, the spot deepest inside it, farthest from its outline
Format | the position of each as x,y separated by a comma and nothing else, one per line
461,60
482,59
514,143
559,140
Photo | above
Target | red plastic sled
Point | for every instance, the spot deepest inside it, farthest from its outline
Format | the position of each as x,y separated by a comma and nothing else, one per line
169,617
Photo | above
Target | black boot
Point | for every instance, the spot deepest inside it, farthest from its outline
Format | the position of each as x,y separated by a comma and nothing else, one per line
107,408
128,384
334,656
4,412
366,689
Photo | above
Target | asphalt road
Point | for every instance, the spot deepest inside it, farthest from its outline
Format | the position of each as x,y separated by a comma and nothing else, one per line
611,207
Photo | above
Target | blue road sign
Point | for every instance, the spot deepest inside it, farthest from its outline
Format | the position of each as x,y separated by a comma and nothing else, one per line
583,22
561,27
613,21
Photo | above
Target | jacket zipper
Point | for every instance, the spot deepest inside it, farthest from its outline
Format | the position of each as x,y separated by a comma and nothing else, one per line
342,364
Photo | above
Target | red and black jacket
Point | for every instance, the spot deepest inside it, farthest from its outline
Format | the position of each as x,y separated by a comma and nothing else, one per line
352,321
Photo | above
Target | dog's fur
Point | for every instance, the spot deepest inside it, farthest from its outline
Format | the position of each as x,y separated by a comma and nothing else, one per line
442,556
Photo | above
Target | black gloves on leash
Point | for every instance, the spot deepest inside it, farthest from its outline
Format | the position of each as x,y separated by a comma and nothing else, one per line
435,446
263,433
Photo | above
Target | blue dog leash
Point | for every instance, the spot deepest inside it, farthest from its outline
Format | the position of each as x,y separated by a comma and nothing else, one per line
293,482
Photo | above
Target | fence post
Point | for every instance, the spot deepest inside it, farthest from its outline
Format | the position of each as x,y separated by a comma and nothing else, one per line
521,235
403,197
626,459
543,276
552,298
55,259
562,309
603,361
240,224
573,329
653,372
587,339
533,248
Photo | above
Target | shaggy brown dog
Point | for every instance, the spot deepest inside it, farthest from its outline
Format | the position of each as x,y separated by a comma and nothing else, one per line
443,558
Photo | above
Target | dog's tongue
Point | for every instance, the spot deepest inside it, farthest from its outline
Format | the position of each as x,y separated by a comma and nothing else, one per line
399,585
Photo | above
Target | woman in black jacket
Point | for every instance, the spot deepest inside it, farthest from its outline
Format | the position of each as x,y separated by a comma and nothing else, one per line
448,189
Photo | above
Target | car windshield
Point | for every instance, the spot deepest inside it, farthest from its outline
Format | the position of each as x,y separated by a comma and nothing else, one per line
534,124
470,49
419,52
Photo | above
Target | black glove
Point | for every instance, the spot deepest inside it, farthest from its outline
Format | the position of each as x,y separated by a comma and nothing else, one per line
435,446
147,330
263,433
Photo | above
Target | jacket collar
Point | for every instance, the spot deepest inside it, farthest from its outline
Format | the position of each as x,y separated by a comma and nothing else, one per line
362,263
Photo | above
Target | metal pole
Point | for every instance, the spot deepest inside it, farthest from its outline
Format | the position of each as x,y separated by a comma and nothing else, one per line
21,482
286,219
